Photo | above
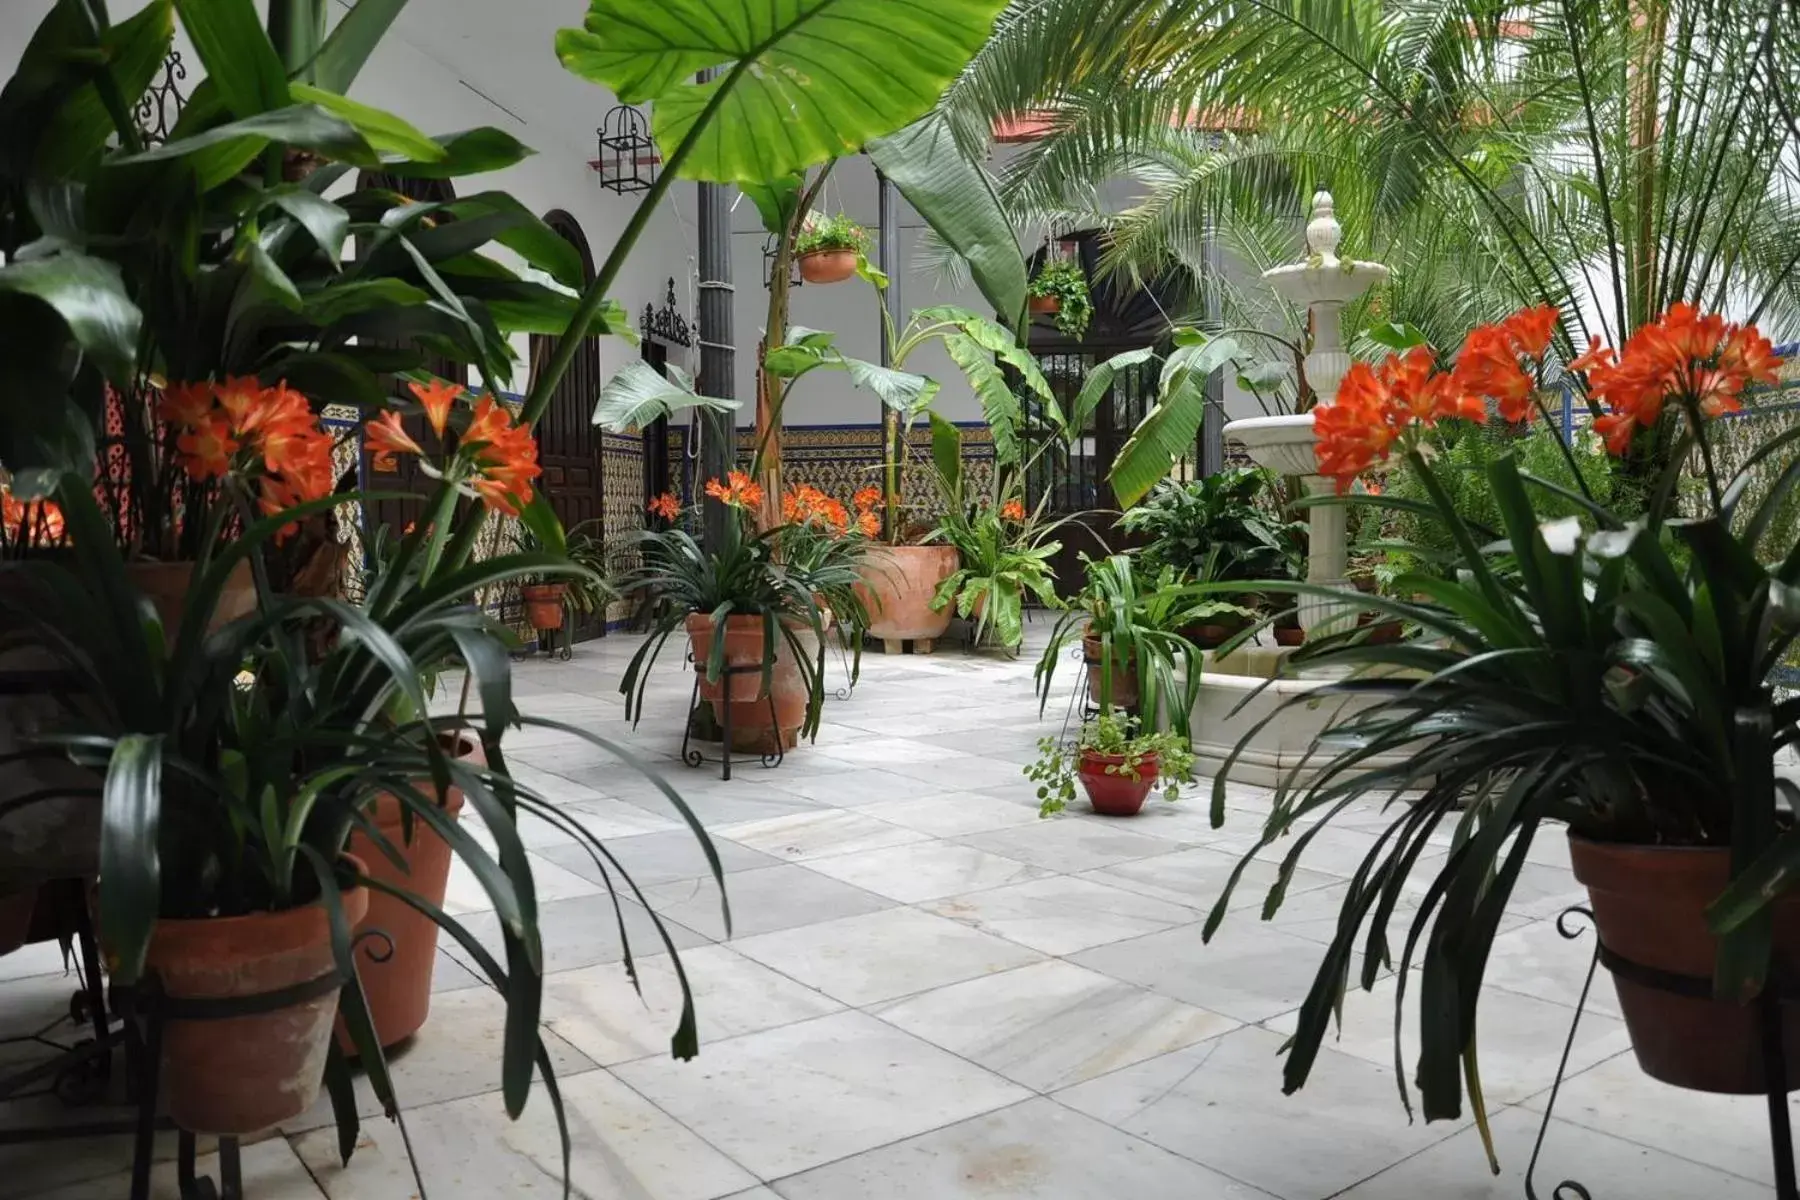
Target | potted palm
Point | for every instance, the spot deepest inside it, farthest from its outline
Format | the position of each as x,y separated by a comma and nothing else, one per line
1117,763
828,247
1606,674
754,623
1060,290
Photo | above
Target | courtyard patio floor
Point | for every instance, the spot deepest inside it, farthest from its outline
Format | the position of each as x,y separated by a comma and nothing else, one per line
928,992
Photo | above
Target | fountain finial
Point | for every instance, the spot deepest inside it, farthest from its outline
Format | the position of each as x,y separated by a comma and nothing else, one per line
1323,231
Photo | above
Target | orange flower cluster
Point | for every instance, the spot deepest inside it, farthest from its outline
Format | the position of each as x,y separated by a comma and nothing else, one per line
1699,361
1488,367
868,521
807,505
1012,510
737,489
665,506
239,425
503,456
32,521
866,499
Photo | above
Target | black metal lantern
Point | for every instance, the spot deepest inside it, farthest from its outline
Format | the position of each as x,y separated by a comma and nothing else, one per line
162,102
666,324
628,157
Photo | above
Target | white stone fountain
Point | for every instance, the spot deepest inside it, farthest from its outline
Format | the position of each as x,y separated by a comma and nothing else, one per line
1324,283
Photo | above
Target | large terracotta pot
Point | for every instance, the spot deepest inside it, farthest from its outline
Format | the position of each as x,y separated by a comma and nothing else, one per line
743,693
828,266
1649,907
397,984
1124,677
544,605
897,585
165,585
240,1075
1116,795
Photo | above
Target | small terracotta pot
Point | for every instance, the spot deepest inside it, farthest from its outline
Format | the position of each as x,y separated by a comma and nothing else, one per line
1124,677
1044,306
1381,631
1649,907
397,985
1211,634
744,694
828,266
1290,635
240,1075
897,585
544,605
166,585
1116,795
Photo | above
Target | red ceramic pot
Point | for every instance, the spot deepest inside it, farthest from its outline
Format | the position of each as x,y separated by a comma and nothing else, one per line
1117,795
828,266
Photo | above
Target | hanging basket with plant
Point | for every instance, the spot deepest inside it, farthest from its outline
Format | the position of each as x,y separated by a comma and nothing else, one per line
828,248
1060,290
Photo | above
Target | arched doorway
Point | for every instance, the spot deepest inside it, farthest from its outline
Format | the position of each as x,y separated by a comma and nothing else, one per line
568,443
385,471
1126,317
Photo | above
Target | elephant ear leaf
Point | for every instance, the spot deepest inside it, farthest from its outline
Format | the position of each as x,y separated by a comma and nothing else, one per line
638,395
810,80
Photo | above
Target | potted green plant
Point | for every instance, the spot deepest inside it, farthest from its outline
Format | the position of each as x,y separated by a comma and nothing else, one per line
1602,673
755,627
1060,290
589,593
1003,556
828,247
1129,626
820,541
1117,764
545,598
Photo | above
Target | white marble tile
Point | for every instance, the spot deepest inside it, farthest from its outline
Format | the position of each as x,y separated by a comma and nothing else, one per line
1038,1150
879,752
270,1171
925,870
1197,878
884,955
1220,1103
796,1097
817,833
464,893
1248,971
1535,960
585,930
1456,1169
1071,843
967,772
596,1009
653,858
1063,914
762,901
952,813
1053,1024
621,1146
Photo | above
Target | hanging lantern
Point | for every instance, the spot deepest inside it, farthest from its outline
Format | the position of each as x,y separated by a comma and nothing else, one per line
628,157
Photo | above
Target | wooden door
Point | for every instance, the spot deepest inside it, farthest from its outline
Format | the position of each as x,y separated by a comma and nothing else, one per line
568,443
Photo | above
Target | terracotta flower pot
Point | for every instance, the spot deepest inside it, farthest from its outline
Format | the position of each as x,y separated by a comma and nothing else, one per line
166,584
1290,635
240,1075
897,585
1124,677
1116,795
544,605
1380,631
1044,306
397,985
744,694
1649,907
1211,634
828,266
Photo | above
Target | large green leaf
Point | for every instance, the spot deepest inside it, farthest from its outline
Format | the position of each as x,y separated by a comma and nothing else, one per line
637,395
1168,431
1099,383
999,405
240,60
471,152
957,199
130,867
776,200
348,46
89,295
219,153
811,80
946,455
904,392
386,132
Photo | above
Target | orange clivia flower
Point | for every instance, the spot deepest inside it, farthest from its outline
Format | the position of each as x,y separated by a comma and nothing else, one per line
737,490
437,397
1012,510
387,432
868,523
32,521
238,396
665,506
1530,329
185,404
505,458
1356,432
1489,367
867,498
206,448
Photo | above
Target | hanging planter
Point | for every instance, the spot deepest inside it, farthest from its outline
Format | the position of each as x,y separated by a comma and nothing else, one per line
829,248
1061,291
1045,306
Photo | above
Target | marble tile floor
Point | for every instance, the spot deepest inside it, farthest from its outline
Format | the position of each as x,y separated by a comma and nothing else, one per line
925,992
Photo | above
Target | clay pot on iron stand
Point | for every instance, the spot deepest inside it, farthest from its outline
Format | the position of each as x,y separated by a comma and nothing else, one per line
827,266
743,693
1044,306
897,586
1649,905
544,605
1124,675
166,585
1117,795
396,968
239,1075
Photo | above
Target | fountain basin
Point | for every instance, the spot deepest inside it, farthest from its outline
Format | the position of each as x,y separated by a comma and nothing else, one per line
1283,444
